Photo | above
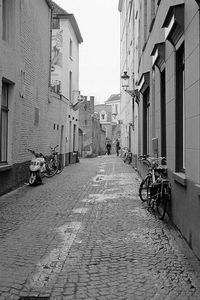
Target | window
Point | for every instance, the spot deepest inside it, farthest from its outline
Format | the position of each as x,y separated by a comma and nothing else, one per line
180,111
74,138
8,20
163,113
116,108
145,20
130,10
153,12
70,48
146,121
36,116
153,9
133,113
4,20
4,123
70,86
55,23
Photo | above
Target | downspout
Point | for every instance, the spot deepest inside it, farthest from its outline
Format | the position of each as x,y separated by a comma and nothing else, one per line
50,46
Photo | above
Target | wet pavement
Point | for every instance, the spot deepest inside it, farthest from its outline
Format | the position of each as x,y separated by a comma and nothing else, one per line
85,234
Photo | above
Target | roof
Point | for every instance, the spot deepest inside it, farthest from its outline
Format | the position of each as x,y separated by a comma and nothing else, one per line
62,14
113,97
100,107
56,8
49,3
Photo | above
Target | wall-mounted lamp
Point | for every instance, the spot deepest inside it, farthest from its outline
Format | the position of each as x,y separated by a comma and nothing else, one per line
125,84
131,125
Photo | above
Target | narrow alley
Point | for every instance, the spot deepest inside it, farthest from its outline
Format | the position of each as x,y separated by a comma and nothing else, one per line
85,234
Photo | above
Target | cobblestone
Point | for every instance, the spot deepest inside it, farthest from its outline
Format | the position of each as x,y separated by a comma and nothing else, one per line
84,234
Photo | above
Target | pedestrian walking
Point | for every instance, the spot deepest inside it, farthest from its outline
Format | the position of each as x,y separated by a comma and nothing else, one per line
108,147
117,147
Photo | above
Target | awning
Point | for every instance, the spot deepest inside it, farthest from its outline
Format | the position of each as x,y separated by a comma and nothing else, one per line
158,56
144,81
174,23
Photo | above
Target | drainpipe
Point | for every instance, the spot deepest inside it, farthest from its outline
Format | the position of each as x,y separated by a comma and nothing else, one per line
50,46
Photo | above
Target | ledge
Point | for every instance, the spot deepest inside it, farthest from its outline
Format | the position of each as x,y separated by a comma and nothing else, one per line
5,167
180,178
197,188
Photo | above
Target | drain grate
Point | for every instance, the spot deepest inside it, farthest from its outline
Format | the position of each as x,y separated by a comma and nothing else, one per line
34,298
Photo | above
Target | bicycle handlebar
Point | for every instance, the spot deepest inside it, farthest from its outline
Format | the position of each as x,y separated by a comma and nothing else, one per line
53,150
36,154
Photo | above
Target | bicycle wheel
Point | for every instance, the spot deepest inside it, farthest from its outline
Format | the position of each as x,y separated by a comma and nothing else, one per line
51,168
161,204
60,166
144,190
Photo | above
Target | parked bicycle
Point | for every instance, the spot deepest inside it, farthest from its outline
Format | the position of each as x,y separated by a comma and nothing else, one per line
155,187
126,155
55,161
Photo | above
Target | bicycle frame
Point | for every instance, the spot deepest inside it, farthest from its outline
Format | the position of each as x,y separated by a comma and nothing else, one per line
155,185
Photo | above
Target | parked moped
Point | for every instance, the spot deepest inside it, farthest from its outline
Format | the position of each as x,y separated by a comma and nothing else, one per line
37,168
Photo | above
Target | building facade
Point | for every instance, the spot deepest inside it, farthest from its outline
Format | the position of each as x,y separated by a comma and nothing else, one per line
24,86
165,90
32,117
114,101
93,135
129,65
66,38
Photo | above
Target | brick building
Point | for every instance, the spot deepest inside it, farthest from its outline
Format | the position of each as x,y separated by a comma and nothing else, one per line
160,58
32,116
94,136
24,81
105,115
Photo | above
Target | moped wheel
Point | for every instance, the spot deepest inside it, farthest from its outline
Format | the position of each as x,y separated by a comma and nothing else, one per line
32,179
144,189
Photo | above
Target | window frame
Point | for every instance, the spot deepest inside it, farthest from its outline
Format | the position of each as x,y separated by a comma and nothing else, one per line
146,120
163,112
4,109
70,86
179,108
4,21
70,48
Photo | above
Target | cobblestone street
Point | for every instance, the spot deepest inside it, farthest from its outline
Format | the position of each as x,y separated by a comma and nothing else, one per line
85,234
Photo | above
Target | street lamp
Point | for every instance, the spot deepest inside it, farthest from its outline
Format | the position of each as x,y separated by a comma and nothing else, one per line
125,85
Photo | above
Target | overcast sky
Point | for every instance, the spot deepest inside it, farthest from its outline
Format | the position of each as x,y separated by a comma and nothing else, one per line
99,24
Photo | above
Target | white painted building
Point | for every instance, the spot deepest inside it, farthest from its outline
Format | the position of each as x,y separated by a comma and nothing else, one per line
114,101
128,68
66,38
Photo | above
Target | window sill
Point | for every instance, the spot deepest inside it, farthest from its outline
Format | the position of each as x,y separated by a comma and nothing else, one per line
197,188
5,167
180,178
